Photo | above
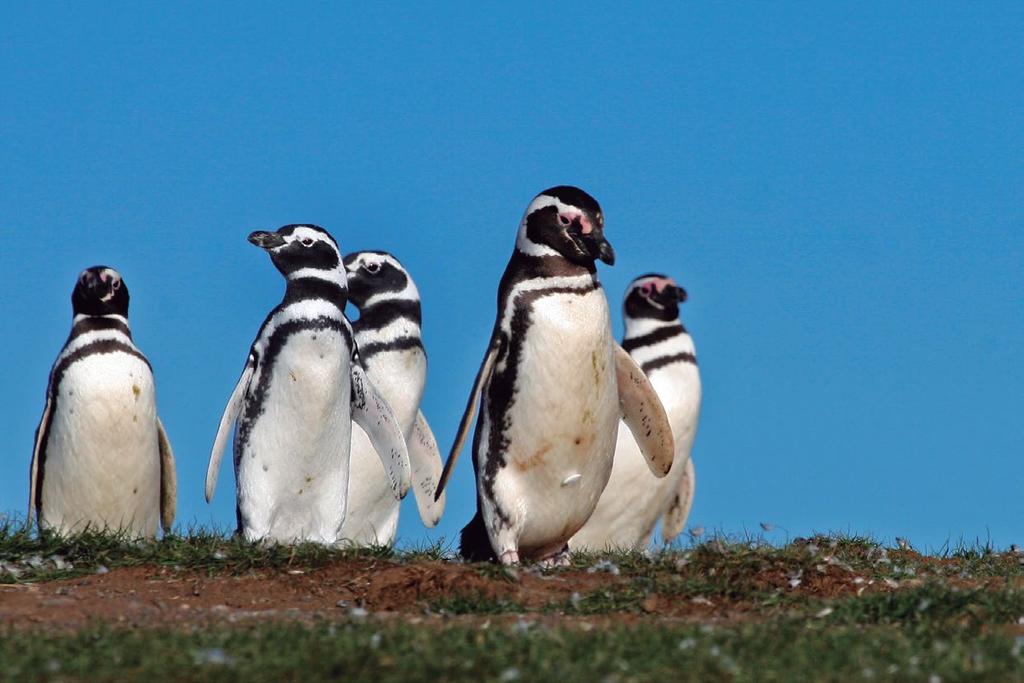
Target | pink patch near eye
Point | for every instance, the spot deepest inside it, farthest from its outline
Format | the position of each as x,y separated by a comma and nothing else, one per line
646,289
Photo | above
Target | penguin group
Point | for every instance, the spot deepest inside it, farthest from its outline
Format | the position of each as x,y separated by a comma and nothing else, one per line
580,444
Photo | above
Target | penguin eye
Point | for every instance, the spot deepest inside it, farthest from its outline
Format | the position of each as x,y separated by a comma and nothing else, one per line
116,285
307,241
563,219
372,268
646,289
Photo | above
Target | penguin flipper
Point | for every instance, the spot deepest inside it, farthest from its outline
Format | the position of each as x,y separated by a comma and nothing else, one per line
231,411
425,460
168,479
38,455
680,504
644,414
371,412
467,417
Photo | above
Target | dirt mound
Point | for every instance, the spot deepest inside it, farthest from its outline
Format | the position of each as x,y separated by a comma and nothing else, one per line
163,596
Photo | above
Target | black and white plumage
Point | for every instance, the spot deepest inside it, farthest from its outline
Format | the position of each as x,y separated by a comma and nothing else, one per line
552,387
300,391
388,335
634,500
101,458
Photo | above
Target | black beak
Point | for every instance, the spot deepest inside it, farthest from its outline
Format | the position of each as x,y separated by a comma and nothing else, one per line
597,246
266,240
605,251
671,294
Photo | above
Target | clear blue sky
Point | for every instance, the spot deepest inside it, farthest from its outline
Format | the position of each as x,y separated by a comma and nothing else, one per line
839,188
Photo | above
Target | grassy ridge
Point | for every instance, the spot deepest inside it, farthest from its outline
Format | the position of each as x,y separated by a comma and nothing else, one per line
826,608
718,566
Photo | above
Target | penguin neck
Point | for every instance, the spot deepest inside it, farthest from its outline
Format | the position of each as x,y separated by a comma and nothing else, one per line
645,336
388,318
656,344
641,327
325,285
83,323
531,264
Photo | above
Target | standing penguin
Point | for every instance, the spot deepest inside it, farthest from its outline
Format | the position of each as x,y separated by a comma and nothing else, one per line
101,457
391,351
301,388
552,387
634,500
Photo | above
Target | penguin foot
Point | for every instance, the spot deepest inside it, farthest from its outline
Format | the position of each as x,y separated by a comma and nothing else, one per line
559,559
509,557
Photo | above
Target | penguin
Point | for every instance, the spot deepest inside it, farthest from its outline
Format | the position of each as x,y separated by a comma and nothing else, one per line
634,501
552,387
101,458
300,391
391,351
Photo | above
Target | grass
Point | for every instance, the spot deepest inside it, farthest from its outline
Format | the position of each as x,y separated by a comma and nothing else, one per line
718,566
828,608
26,556
781,650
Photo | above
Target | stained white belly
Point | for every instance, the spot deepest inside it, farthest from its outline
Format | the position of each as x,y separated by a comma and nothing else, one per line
293,470
564,420
634,499
102,466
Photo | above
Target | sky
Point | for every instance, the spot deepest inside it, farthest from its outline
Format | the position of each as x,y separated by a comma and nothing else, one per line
838,186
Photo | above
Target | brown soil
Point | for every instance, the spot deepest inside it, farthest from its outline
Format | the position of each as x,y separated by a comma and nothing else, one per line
145,596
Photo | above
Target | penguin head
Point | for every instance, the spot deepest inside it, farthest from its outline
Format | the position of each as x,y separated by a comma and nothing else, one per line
100,291
654,296
299,250
377,274
569,221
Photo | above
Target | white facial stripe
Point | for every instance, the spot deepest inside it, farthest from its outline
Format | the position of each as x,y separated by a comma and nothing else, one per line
366,259
408,293
523,243
531,248
335,275
544,201
302,232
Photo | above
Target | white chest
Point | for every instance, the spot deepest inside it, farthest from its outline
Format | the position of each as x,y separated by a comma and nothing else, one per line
102,462
563,419
293,464
399,376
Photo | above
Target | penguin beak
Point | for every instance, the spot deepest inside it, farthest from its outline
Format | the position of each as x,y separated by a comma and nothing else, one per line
266,240
671,294
605,251
595,244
